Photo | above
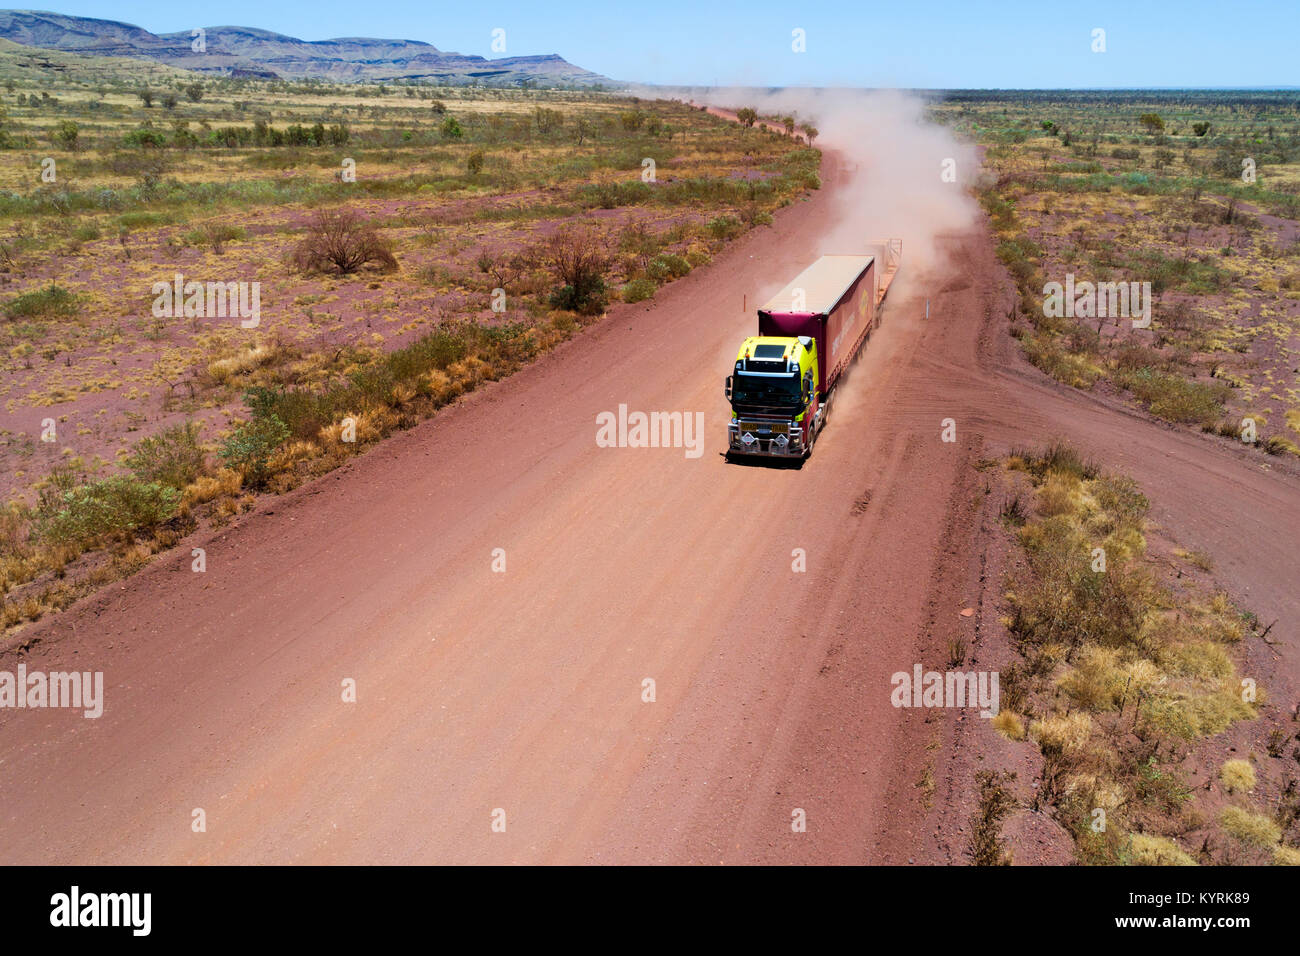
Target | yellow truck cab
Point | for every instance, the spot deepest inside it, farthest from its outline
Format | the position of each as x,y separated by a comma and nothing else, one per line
774,389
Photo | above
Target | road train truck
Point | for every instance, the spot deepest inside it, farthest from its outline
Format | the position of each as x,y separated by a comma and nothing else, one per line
785,376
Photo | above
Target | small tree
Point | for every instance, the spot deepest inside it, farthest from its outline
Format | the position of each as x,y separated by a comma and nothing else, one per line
169,101
1200,129
475,162
577,258
812,132
146,97
547,120
341,242
788,123
194,91
747,115
66,134
451,128
1152,122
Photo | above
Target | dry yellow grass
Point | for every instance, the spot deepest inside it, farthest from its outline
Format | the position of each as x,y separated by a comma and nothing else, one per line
1252,829
1149,850
1238,776
1010,725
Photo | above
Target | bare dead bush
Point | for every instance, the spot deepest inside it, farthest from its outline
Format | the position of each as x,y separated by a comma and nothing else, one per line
340,241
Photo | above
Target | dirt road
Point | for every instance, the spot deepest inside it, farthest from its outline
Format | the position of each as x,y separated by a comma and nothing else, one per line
523,690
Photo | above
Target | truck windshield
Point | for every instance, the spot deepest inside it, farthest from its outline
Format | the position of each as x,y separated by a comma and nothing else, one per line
761,393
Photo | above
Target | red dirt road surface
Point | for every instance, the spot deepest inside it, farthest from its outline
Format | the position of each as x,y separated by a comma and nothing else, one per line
478,690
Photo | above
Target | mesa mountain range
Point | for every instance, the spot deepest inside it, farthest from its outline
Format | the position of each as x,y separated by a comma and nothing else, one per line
247,51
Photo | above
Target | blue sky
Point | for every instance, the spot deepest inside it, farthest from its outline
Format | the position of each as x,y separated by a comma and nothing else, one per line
931,43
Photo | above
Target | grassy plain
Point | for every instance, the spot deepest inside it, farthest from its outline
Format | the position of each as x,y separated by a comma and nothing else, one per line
1194,192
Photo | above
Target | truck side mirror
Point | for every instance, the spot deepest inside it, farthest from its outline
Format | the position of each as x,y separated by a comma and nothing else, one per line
728,388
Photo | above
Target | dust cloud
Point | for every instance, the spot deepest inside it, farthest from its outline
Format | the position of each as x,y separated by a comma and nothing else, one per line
896,159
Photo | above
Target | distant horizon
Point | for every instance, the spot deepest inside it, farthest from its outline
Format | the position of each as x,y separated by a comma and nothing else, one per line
982,89
1015,45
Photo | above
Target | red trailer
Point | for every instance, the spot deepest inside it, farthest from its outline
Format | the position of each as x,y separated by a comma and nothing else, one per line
836,301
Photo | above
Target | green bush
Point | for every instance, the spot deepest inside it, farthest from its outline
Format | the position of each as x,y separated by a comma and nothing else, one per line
639,290
613,195
1175,398
588,297
145,138
215,234
173,457
250,447
54,300
724,227
667,265
92,512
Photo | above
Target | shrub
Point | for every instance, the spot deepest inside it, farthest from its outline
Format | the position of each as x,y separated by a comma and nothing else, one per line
341,242
667,265
88,513
613,195
724,227
54,300
172,458
639,290
250,447
578,260
66,134
145,138
475,162
215,234
1174,398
